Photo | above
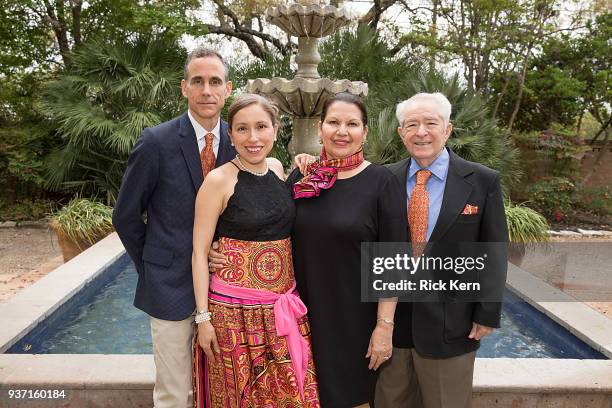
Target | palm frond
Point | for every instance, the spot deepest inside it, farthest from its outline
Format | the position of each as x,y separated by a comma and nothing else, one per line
111,92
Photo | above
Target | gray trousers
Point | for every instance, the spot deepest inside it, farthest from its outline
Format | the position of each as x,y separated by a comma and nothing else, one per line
409,380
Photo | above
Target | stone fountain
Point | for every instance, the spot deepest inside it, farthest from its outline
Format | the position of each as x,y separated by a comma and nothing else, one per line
303,96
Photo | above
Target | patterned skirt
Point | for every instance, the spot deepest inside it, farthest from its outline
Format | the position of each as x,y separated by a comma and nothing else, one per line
255,369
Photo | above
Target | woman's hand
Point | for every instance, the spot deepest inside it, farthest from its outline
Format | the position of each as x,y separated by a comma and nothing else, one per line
216,260
207,338
381,345
302,161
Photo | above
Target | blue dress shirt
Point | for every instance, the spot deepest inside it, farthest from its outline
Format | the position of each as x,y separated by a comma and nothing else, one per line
435,186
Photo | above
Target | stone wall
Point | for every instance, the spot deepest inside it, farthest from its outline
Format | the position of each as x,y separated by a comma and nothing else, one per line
598,174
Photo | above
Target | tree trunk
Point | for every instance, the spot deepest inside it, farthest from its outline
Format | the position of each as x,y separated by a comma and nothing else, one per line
58,24
501,96
517,105
373,15
76,21
579,126
434,30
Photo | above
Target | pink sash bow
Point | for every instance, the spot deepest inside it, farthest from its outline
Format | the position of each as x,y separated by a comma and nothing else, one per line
288,307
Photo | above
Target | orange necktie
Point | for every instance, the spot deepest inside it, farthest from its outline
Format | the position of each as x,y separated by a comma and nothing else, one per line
418,212
207,156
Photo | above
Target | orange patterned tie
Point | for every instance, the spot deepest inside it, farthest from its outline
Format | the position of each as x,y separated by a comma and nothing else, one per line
418,212
207,156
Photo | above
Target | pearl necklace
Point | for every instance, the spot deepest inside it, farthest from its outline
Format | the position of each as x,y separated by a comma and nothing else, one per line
242,167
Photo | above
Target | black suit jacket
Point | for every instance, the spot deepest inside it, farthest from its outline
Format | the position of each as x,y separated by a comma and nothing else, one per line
163,176
440,329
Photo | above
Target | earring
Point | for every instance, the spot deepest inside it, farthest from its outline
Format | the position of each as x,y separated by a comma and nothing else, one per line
320,141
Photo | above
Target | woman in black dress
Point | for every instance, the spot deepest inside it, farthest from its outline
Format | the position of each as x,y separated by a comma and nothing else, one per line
342,202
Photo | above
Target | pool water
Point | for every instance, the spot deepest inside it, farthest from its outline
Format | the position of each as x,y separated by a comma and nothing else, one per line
102,320
527,333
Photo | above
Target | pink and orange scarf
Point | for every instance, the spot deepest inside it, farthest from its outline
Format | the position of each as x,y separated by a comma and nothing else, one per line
322,174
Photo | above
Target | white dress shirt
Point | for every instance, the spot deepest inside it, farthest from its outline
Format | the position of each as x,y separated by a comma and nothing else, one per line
201,132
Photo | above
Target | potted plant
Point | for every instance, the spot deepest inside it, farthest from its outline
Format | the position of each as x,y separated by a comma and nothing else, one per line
80,224
525,226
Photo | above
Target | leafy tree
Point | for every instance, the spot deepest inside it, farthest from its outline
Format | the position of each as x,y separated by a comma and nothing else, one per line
103,102
22,43
393,78
245,21
24,140
569,78
38,41
551,95
484,36
36,31
596,71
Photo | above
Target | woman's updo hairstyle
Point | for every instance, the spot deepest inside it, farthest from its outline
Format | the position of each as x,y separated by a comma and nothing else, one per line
246,100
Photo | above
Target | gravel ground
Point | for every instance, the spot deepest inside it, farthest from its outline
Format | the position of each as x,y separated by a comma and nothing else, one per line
26,254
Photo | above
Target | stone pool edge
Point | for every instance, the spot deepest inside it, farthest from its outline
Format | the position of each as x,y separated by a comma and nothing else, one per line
582,321
25,310
98,380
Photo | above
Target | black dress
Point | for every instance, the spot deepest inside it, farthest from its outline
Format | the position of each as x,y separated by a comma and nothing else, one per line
261,209
327,237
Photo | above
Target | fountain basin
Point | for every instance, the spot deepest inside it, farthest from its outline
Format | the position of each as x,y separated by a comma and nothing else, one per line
303,97
308,20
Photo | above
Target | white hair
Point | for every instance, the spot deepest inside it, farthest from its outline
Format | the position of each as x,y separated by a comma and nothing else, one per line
439,101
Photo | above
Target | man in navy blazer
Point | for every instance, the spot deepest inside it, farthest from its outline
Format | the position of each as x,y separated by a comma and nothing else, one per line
435,342
154,218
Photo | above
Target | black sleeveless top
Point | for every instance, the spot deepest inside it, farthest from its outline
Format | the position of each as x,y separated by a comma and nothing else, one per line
261,209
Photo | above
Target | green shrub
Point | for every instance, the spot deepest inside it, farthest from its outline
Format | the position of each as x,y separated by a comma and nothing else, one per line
552,194
83,221
597,200
525,225
25,210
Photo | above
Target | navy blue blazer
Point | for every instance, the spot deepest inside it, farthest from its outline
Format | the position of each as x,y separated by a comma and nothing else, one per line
163,176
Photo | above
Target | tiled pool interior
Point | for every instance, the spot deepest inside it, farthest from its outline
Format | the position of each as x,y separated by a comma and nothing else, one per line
102,320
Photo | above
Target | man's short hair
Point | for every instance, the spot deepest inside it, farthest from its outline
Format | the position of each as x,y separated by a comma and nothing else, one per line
440,101
203,52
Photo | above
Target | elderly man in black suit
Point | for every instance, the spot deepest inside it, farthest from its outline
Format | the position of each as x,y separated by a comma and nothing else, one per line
163,175
449,200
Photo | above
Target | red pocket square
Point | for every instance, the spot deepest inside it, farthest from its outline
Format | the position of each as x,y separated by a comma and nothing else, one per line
470,209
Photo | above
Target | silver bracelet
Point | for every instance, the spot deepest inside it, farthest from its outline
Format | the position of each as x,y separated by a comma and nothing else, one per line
202,317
